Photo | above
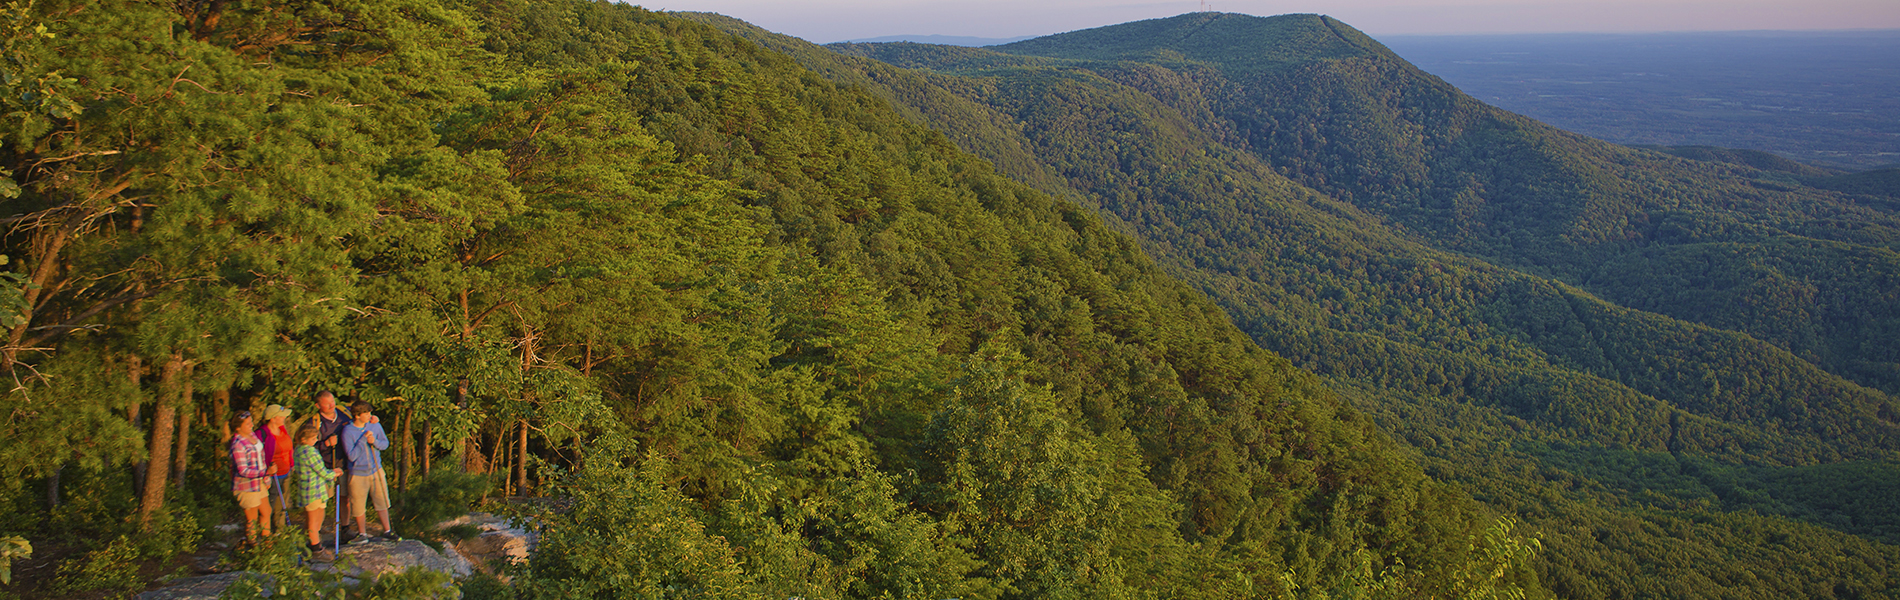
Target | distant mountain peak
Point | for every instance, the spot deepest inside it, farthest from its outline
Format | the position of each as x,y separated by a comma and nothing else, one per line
1229,41
941,40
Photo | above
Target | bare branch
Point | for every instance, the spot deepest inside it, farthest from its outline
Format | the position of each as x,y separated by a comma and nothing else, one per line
45,161
71,324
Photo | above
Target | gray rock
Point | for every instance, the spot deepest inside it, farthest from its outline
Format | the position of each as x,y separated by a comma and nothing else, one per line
207,587
501,542
375,559
463,566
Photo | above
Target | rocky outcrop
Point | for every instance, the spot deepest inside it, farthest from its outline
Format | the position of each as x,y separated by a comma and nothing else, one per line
207,587
500,543
369,560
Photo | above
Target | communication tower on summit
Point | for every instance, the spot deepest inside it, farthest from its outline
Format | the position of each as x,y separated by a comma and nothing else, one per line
1207,6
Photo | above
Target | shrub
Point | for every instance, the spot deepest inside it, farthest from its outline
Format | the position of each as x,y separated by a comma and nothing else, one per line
416,583
111,567
11,549
482,586
442,495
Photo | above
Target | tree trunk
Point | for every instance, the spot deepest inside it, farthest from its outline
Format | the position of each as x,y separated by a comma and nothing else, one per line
428,447
471,447
52,488
181,455
500,461
221,413
46,246
408,449
187,408
152,499
472,455
518,475
521,461
134,368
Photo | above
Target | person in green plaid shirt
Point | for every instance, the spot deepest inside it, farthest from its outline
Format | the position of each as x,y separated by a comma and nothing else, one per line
312,483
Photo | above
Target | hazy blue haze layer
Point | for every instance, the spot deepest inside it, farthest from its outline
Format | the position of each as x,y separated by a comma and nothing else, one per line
1827,98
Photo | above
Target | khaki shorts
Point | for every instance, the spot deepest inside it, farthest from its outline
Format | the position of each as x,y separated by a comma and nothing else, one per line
315,506
252,499
375,486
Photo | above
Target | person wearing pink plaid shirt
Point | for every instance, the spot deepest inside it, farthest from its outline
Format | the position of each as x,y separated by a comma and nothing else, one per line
250,475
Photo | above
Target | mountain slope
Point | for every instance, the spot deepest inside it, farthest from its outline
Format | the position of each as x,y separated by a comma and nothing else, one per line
1508,382
1049,356
754,333
1349,118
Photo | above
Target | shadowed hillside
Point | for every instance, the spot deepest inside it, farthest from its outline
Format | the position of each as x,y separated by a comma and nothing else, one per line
1513,300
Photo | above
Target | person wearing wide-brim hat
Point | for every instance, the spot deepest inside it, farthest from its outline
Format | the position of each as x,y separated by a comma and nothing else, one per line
277,450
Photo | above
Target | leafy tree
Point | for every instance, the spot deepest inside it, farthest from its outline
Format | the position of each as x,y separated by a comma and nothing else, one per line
1443,263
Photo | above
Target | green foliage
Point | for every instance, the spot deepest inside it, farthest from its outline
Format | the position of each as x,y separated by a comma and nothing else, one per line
483,586
440,496
1496,558
1852,497
12,548
277,570
417,583
1465,276
754,332
1055,511
33,93
173,532
274,570
82,418
112,567
1877,182
13,306
627,534
114,549
1753,158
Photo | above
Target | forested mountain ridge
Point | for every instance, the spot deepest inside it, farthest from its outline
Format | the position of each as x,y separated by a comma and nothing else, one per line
1513,375
1355,121
761,335
1167,145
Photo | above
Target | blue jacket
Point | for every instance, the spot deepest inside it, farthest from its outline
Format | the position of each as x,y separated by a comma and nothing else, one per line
365,458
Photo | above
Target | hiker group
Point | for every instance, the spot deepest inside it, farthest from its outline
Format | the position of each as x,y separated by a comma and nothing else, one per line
330,451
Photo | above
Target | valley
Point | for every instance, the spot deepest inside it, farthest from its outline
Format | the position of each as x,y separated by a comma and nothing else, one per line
1824,98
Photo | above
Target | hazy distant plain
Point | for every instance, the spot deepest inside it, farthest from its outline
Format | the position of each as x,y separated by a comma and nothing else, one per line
1825,98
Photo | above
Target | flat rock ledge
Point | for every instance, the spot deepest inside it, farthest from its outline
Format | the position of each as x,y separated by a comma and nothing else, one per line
499,543
369,560
207,587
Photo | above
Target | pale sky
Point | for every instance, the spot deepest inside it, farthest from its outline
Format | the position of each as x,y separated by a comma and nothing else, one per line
825,21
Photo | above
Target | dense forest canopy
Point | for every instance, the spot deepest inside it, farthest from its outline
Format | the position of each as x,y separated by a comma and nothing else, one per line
1637,352
758,332
769,319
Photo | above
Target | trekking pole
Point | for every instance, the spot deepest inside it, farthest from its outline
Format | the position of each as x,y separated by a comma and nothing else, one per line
283,510
283,504
338,534
391,529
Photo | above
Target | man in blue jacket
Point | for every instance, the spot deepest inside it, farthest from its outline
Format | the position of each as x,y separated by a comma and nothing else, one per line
363,441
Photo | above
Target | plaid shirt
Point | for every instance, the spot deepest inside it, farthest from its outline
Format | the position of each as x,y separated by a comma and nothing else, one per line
312,483
249,470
